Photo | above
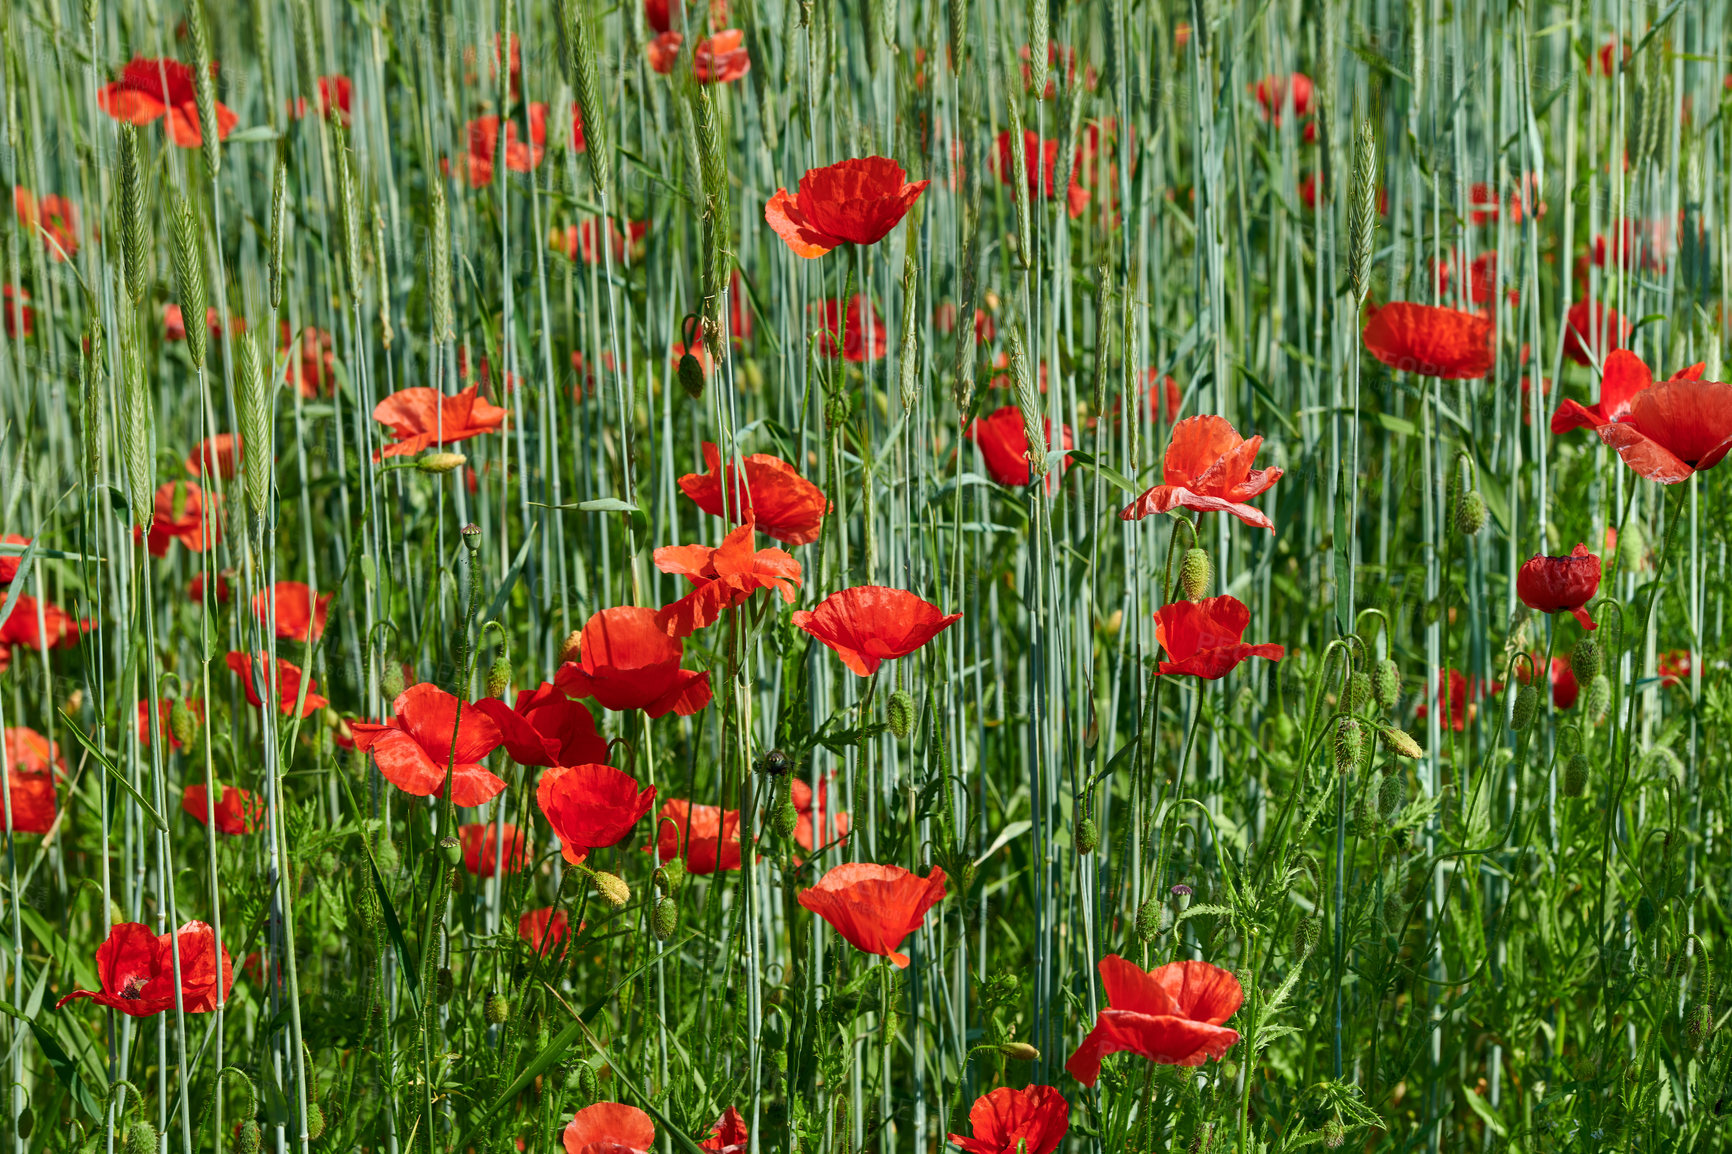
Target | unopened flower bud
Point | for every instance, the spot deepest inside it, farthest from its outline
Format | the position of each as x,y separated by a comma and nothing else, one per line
1196,574
587,1087
1399,742
1019,1052
1470,514
1646,913
140,1138
611,888
1306,936
250,1138
1391,796
672,874
471,534
1575,782
499,675
438,463
691,374
1148,921
1599,699
900,713
315,1121
1387,683
1088,835
1632,546
1527,703
1358,691
443,986
785,819
391,681
182,722
1585,660
1394,912
498,1008
1349,745
1334,1134
1699,1025
664,919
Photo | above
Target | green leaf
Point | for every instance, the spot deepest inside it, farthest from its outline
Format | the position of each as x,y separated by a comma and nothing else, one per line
1487,1115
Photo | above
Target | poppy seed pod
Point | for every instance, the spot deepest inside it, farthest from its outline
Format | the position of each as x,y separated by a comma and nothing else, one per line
452,849
1306,934
391,681
498,1008
1196,574
1349,745
499,675
1527,703
140,1138
439,463
471,534
182,723
691,373
1087,836
900,713
1391,796
665,919
611,888
1575,782
1599,698
1019,1052
1470,514
1585,660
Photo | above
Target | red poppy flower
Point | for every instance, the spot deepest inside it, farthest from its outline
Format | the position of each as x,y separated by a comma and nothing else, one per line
944,320
870,624
1054,54
1208,468
705,837
18,313
610,1128
299,613
1462,695
1565,688
136,971
1481,278
286,690
1483,202
421,418
1171,1015
481,855
1203,637
482,134
875,907
1010,1121
1673,667
1638,244
239,811
1623,375
28,752
1431,341
39,625
1040,179
719,59
853,329
53,215
627,661
174,323
544,928
1309,188
32,763
729,1135
546,728
1279,95
313,368
413,749
591,806
814,825
722,577
164,708
195,588
1591,332
581,240
775,498
850,202
334,91
179,515
220,454
1003,442
148,89
1673,429
1553,584
9,561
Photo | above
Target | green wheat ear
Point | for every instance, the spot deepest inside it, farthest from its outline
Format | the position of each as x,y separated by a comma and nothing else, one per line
134,240
189,274
1362,223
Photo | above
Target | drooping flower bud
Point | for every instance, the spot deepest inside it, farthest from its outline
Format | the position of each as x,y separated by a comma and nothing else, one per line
1087,835
1358,691
1394,912
785,819
1575,782
611,888
1646,913
1391,796
900,713
1527,703
391,680
1598,700
497,1008
691,374
1400,742
140,1138
1148,921
1019,1052
1387,683
664,919
1632,547
316,1117
673,873
499,675
1470,514
1349,745
1306,935
440,463
1699,1025
443,985
1585,660
1196,574
182,722
249,1139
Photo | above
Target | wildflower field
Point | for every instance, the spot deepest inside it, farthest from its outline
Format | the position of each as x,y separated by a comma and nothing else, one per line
806,577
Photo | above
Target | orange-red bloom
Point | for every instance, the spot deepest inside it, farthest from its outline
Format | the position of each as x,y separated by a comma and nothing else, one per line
722,577
852,327
774,497
1673,429
1565,688
178,514
481,849
148,89
544,928
1461,696
38,625
286,689
944,320
1428,340
1208,468
1591,331
870,624
313,368
1011,1121
610,1128
53,215
1203,637
626,660
581,239
19,316
718,59
1003,442
165,707
1623,375
546,728
729,1135
1171,1015
9,561
705,837
875,907
136,970
1554,584
413,750
237,813
1281,95
334,92
32,763
850,202
482,134
220,454
591,806
1040,165
814,824
174,323
421,418
299,612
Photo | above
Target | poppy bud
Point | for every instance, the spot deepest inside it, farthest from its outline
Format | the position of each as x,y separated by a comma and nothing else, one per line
250,1138
1391,796
1585,660
1470,513
1646,913
1660,761
26,1121
140,1138
316,1119
785,819
1088,836
1699,1024
498,1008
452,849
1394,912
673,873
1358,691
1334,1134
665,919
1306,935
471,534
182,723
1148,921
1599,698
499,675
438,463
443,985
1575,781
1527,702
1400,742
901,713
1196,574
1349,745
611,888
1387,683
1019,1052
391,681
586,1082
691,376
